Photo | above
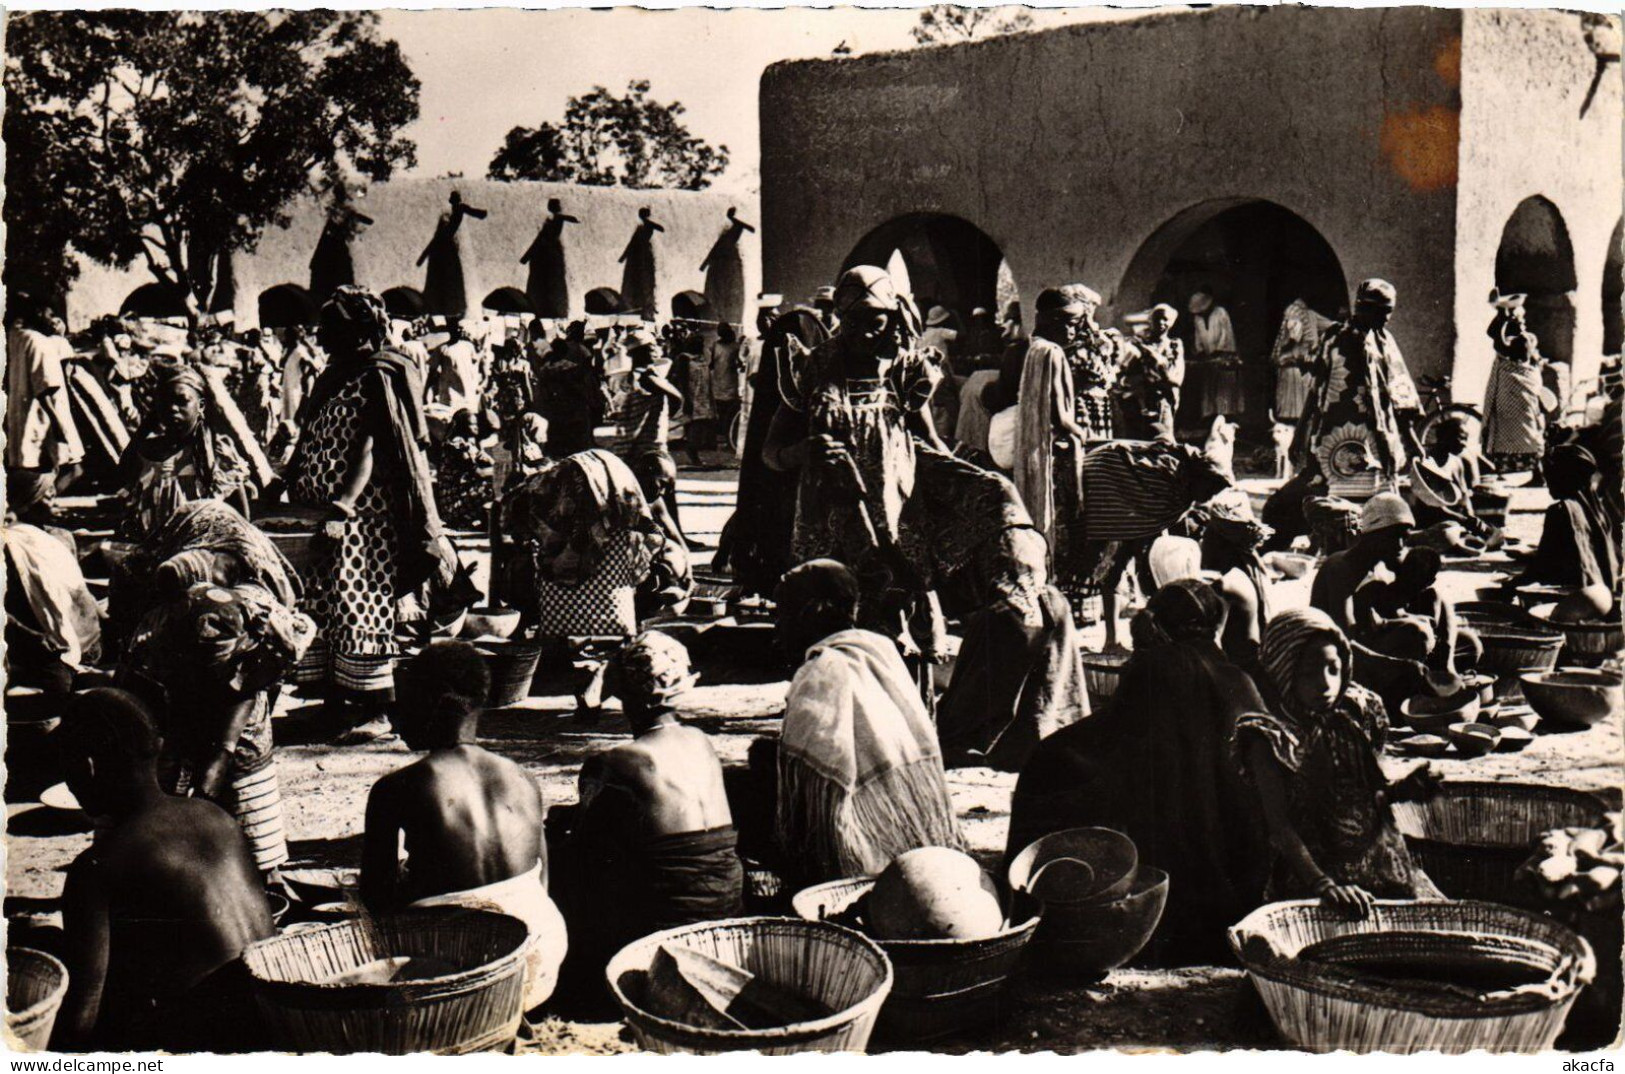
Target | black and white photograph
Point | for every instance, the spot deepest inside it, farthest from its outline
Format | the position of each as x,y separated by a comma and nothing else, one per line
853,530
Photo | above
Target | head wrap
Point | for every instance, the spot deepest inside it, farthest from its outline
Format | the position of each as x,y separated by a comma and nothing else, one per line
823,294
1169,315
1182,611
360,311
1067,296
174,375
1174,559
1377,293
937,316
1285,638
865,287
1200,302
1383,510
652,665
1230,516
639,338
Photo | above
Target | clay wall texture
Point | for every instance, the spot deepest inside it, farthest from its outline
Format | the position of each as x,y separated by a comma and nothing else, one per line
1077,147
405,212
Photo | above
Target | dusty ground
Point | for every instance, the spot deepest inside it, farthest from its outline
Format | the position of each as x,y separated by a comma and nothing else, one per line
325,788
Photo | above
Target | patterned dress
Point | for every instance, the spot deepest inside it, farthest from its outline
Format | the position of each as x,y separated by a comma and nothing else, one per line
353,581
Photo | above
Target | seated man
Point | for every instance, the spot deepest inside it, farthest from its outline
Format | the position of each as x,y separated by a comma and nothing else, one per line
1385,524
472,820
157,911
860,771
654,845
1408,619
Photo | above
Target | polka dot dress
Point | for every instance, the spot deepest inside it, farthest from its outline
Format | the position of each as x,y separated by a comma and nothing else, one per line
354,580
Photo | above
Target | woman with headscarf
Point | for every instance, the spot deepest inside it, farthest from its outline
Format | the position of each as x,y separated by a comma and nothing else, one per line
850,411
1231,538
194,444
588,544
360,462
213,657
1515,399
1313,758
1155,765
1579,542
1096,355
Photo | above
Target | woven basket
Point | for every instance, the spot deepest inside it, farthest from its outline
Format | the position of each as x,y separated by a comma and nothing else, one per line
841,969
1514,642
474,1010
35,985
1471,838
1101,673
943,987
1324,1012
1589,643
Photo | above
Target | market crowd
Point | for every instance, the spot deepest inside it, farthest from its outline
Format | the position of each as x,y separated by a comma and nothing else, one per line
291,510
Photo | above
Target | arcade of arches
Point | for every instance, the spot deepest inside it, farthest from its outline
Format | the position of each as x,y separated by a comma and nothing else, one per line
942,261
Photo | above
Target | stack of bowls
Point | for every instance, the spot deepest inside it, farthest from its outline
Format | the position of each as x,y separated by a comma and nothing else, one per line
1100,906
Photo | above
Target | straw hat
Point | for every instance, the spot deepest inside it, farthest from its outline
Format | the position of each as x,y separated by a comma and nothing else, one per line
937,316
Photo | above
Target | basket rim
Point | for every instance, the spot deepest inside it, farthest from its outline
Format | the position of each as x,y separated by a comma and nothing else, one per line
817,1027
436,915
1028,924
1586,970
58,991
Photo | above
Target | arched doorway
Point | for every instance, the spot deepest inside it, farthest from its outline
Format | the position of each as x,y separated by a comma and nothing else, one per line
690,306
403,303
1613,287
949,262
1256,257
285,306
603,301
1536,258
156,300
507,300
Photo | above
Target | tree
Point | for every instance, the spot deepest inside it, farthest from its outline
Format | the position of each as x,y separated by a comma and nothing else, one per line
605,140
171,137
946,24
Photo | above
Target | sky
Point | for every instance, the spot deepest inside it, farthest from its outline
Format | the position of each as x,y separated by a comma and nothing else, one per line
486,71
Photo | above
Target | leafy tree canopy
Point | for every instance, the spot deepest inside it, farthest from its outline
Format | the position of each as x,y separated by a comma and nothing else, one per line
171,137
946,24
609,140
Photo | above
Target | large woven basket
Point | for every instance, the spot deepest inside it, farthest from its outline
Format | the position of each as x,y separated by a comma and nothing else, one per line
843,970
1470,838
943,987
1588,643
35,985
1514,642
1324,1012
476,1009
1101,673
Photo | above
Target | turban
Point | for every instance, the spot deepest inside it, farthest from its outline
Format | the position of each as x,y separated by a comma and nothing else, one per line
1374,292
865,287
652,665
1384,510
1072,294
359,310
173,375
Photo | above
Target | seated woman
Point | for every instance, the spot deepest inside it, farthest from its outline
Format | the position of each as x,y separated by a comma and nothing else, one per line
592,544
860,777
1579,543
1313,757
469,819
212,660
1155,765
463,475
1018,677
653,845
158,910
193,445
